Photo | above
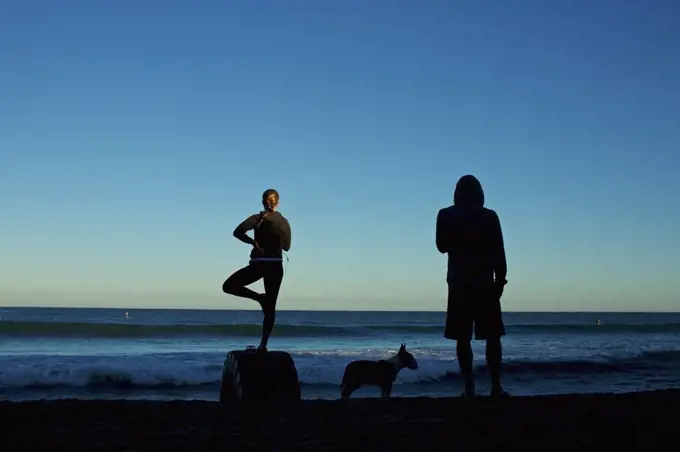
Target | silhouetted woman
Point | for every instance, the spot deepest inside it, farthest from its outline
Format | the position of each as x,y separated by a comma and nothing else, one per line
271,238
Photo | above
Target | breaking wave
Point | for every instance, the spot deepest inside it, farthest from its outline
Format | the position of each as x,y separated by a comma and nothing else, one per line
197,371
131,330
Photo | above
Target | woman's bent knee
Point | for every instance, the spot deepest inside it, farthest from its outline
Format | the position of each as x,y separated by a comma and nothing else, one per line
228,287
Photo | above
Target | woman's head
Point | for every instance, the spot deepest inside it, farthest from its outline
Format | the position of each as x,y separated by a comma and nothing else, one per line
468,192
270,199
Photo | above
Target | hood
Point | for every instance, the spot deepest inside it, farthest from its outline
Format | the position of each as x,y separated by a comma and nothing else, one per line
468,192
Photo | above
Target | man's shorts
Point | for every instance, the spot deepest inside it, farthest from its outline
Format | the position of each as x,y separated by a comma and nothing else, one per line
475,309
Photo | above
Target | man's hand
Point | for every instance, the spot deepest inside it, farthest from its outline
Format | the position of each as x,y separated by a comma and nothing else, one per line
500,285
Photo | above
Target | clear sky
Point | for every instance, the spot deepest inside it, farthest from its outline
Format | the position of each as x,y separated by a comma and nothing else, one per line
135,135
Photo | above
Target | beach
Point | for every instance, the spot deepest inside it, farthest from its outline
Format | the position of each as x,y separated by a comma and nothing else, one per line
95,379
632,421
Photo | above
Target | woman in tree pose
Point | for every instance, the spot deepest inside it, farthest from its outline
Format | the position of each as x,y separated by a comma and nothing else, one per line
271,238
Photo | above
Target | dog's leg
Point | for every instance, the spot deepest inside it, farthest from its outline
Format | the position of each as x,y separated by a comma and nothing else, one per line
387,391
347,391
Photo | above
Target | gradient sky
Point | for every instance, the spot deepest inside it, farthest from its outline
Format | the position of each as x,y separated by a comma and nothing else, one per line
135,135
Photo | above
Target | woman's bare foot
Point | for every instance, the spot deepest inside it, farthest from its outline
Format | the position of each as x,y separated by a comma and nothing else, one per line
262,299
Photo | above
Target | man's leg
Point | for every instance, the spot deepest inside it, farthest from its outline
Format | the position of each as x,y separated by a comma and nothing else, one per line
491,328
235,284
494,357
273,276
465,356
459,328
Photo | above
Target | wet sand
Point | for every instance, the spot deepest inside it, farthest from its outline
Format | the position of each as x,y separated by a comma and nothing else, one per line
636,421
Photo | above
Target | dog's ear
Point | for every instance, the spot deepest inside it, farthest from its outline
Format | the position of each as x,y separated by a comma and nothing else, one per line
403,347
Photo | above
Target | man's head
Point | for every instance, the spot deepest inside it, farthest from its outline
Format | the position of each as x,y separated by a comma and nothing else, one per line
468,192
270,199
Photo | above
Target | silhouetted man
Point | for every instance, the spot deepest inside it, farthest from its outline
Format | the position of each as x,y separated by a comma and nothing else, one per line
471,235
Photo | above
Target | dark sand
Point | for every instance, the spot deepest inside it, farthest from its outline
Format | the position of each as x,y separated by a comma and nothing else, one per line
638,421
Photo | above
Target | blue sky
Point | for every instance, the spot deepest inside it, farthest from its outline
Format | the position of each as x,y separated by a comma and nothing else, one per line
135,135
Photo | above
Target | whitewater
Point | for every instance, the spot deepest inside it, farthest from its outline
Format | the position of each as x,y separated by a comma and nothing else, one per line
178,354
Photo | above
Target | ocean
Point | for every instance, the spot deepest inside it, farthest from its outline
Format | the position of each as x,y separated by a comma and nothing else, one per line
178,354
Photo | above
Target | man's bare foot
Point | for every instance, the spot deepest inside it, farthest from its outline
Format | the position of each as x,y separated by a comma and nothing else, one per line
469,390
499,392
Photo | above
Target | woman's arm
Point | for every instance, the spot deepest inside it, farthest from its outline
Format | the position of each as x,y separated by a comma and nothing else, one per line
245,226
286,237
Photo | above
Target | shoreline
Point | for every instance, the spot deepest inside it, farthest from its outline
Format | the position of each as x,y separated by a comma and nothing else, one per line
627,421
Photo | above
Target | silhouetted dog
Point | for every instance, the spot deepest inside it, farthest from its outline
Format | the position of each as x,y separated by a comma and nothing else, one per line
376,373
